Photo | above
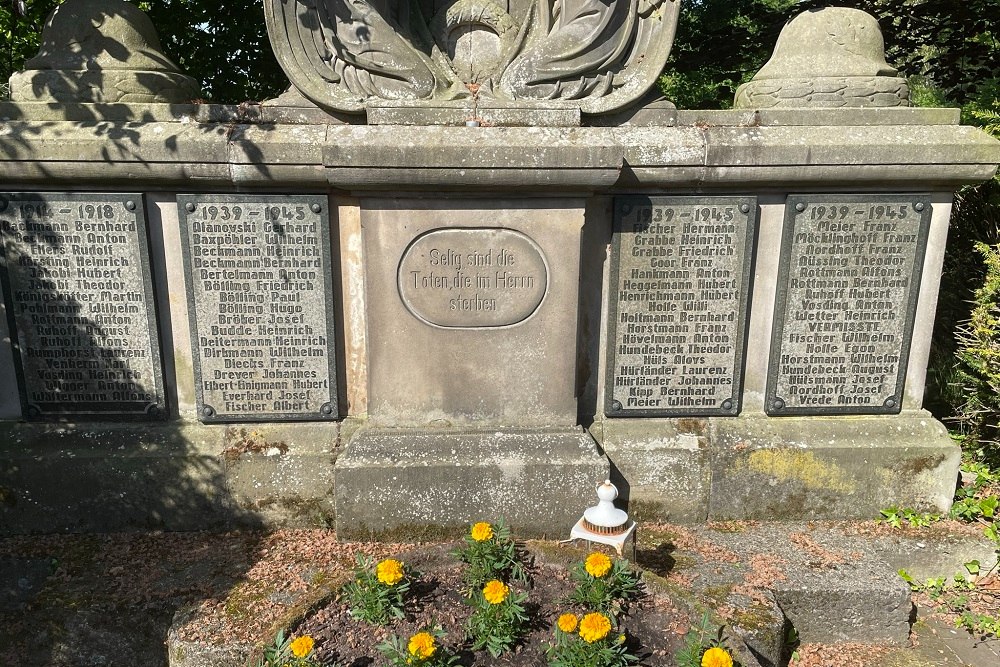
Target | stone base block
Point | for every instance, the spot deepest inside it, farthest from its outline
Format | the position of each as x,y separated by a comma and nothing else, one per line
101,477
660,466
406,484
832,586
869,609
102,86
800,468
788,468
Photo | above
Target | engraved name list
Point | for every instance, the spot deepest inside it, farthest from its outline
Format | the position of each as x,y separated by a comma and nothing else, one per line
680,270
80,295
848,283
260,305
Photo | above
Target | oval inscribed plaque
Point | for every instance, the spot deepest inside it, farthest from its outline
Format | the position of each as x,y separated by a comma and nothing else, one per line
472,278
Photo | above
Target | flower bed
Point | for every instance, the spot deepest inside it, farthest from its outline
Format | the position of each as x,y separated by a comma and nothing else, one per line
491,602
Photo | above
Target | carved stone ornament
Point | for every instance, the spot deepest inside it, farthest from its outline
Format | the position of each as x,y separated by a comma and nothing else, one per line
600,55
833,57
101,51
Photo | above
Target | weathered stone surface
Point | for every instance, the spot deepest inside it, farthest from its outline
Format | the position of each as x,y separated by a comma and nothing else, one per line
222,147
101,51
483,370
832,57
174,476
660,466
824,117
402,484
827,468
833,587
599,54
76,269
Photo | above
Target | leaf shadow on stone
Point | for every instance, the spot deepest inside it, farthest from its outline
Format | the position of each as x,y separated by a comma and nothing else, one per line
91,596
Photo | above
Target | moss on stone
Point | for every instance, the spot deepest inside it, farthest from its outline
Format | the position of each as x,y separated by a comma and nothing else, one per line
242,597
648,511
805,468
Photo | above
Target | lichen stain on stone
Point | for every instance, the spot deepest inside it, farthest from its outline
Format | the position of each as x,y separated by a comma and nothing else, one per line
921,464
802,467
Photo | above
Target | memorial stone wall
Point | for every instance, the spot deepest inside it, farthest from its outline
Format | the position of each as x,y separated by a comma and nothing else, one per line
427,300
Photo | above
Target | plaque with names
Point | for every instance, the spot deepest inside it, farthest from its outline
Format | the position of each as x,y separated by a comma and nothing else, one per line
80,306
680,283
260,304
848,282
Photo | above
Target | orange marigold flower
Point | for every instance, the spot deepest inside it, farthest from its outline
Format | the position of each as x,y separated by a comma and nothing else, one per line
567,622
716,657
389,572
422,645
597,565
482,531
594,627
495,592
302,646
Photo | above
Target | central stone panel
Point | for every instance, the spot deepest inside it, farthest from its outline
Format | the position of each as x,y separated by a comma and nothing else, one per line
472,311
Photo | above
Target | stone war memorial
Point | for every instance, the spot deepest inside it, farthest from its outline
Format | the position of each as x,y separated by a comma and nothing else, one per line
466,267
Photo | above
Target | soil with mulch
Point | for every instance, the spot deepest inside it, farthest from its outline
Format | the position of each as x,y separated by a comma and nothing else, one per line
653,627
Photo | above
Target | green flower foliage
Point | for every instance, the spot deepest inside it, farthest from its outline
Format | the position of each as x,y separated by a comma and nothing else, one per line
497,626
569,649
423,649
372,600
282,653
610,593
698,640
493,558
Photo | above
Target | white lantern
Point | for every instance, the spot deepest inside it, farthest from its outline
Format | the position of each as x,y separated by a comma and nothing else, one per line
604,523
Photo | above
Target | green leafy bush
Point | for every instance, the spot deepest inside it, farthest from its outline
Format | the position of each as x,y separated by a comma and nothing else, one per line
498,618
289,652
588,642
979,364
422,649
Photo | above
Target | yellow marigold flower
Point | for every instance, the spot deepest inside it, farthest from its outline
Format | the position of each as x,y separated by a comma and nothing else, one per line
597,565
302,646
567,622
594,627
482,531
716,657
422,645
389,571
495,592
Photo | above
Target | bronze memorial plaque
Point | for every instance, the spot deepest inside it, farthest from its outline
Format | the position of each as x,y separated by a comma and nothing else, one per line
80,306
680,276
848,283
260,301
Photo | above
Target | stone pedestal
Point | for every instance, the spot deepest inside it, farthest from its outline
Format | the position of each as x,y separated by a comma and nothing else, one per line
414,484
